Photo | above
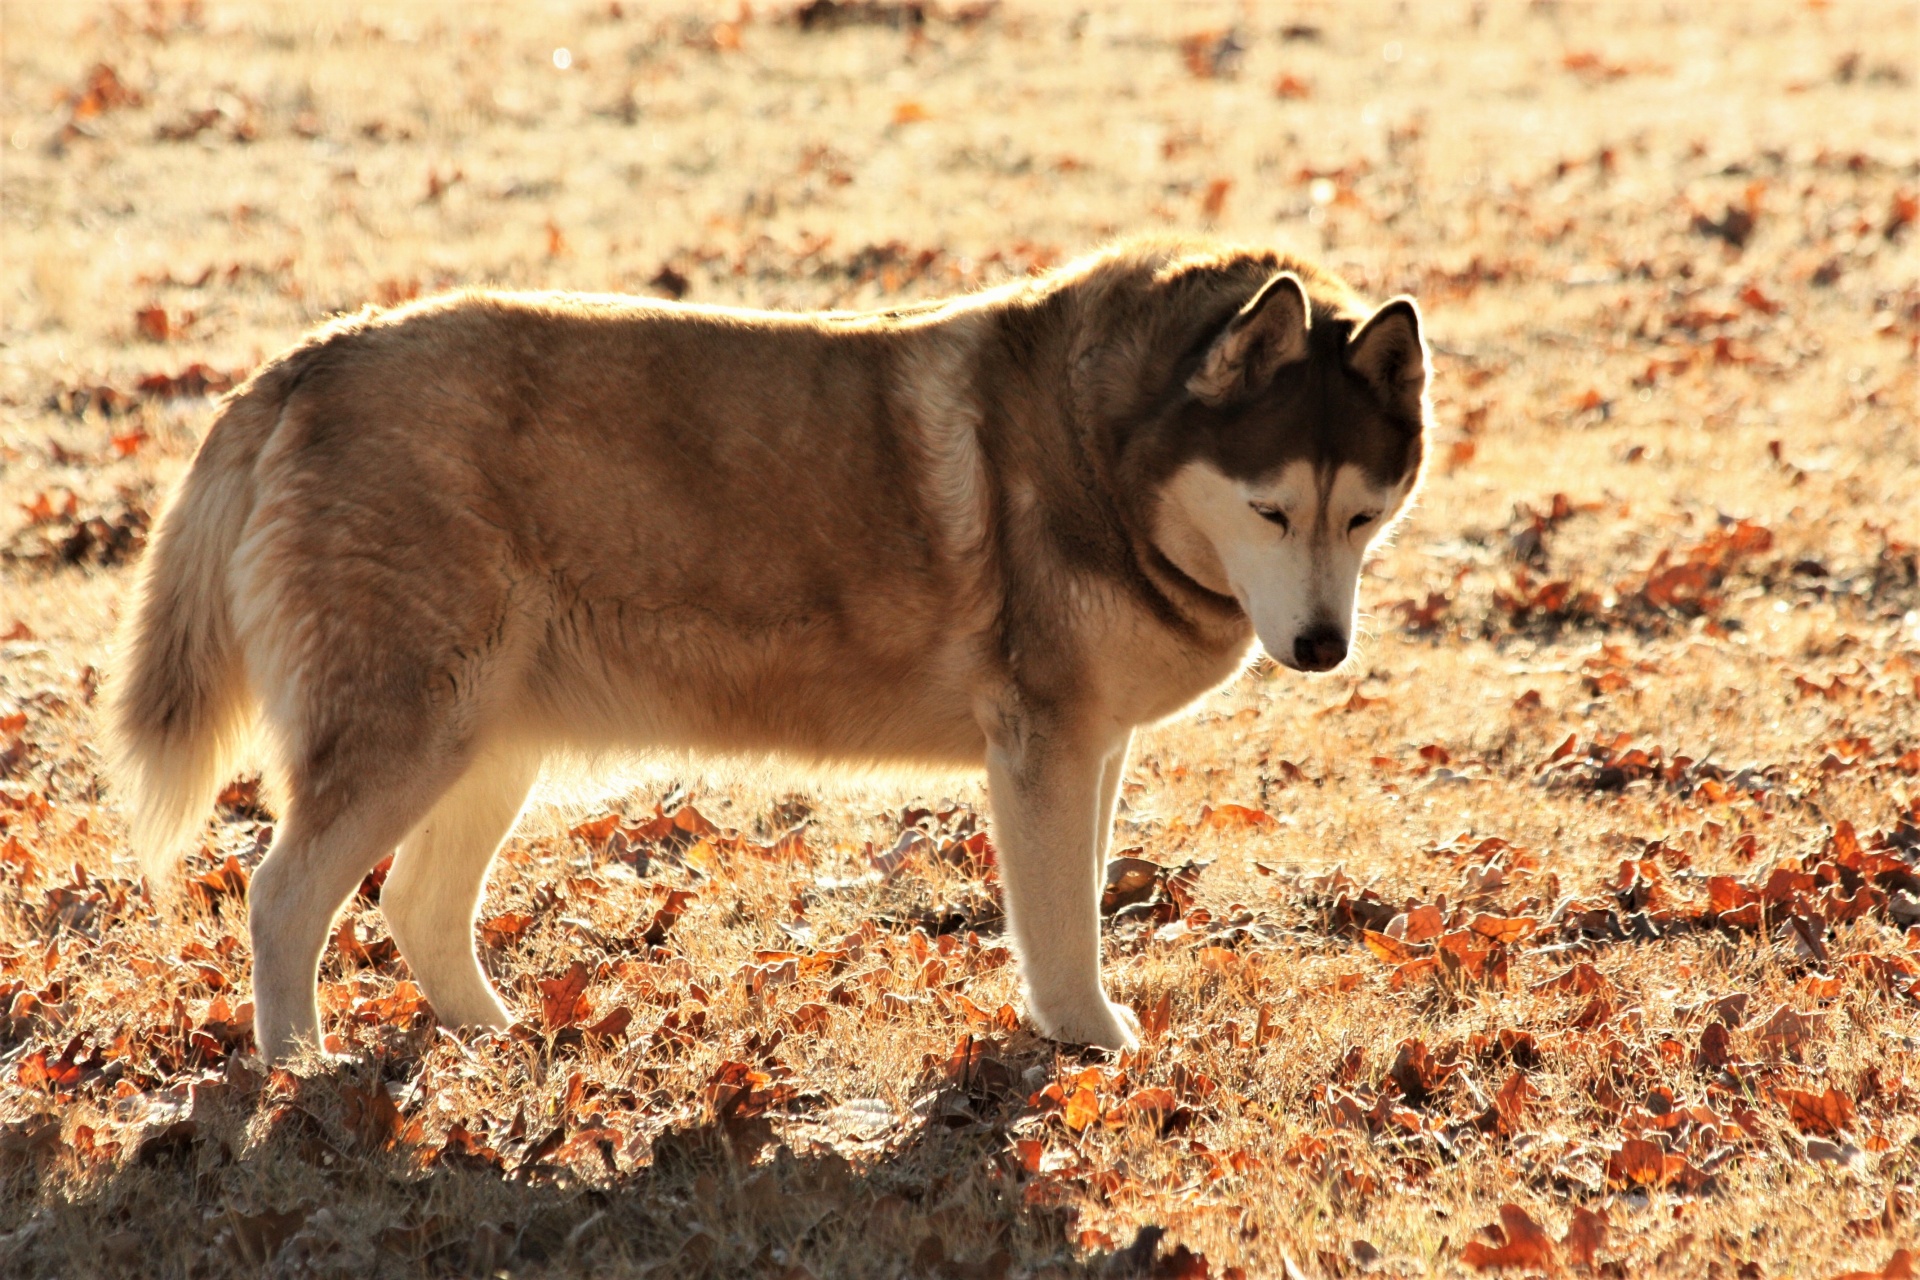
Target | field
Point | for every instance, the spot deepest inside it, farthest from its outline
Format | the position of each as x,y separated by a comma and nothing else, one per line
1575,928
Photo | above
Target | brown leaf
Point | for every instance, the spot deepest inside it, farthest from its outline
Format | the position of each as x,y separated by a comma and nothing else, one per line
1511,1102
1637,1163
808,1018
1786,1030
1586,1235
1425,969
613,1024
1580,980
400,1007
504,928
256,1238
1423,924
1158,1017
669,912
1716,1046
1356,701
563,1000
370,1115
153,323
230,881
1417,1073
597,831
1828,1113
1523,1243
1129,881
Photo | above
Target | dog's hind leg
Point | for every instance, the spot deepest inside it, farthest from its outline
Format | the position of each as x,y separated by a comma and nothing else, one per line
330,838
434,888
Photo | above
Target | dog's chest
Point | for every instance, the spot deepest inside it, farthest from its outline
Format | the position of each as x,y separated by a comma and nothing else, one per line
1147,671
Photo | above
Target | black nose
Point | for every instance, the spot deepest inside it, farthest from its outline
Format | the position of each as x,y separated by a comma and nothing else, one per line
1320,649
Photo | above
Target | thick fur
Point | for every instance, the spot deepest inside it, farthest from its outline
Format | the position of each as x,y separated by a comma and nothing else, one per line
428,549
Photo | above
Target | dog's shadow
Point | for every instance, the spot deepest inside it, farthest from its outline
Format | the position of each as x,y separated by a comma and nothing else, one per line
280,1177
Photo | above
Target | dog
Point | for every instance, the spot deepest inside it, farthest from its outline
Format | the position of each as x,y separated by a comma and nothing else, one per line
428,549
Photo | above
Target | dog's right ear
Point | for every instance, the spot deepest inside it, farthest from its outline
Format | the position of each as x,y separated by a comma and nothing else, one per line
1269,332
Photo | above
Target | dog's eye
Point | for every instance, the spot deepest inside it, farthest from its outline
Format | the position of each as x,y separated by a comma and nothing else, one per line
1272,514
1361,521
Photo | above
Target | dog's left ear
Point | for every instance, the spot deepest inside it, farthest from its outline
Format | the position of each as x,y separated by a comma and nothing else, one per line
1270,331
1389,352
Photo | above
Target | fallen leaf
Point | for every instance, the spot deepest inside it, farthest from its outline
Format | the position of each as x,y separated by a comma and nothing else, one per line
370,1115
1828,1113
1637,1162
1898,1267
1522,1243
1586,1234
563,1001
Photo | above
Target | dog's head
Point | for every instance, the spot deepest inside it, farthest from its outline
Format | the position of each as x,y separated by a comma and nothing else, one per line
1300,443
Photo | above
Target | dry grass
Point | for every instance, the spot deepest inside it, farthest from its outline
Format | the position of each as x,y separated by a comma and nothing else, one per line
1668,256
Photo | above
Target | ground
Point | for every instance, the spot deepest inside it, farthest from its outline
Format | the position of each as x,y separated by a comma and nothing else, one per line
1582,904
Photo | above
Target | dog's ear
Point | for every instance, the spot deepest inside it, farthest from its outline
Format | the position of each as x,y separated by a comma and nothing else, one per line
1389,352
1270,331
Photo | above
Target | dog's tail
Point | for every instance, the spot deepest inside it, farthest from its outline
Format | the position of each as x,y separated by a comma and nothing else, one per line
179,708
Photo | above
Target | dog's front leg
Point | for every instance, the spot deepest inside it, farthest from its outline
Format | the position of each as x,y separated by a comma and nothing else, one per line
1048,805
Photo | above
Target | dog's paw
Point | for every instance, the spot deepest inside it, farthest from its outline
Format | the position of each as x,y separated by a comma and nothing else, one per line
1100,1024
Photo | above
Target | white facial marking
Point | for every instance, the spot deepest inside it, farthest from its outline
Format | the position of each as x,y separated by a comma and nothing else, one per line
1288,546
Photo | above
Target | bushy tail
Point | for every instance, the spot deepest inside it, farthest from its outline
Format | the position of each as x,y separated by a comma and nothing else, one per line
179,709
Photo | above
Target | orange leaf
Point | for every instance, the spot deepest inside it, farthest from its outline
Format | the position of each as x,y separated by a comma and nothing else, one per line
1826,1113
598,831
504,928
1638,1163
1158,1017
1511,1102
1507,930
1425,967
1524,1243
1235,817
1389,948
1899,1267
1221,960
1215,199
1581,980
1083,1108
1424,923
1356,701
153,323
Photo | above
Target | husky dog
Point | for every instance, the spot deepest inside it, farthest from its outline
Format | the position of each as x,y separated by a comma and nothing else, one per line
428,548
